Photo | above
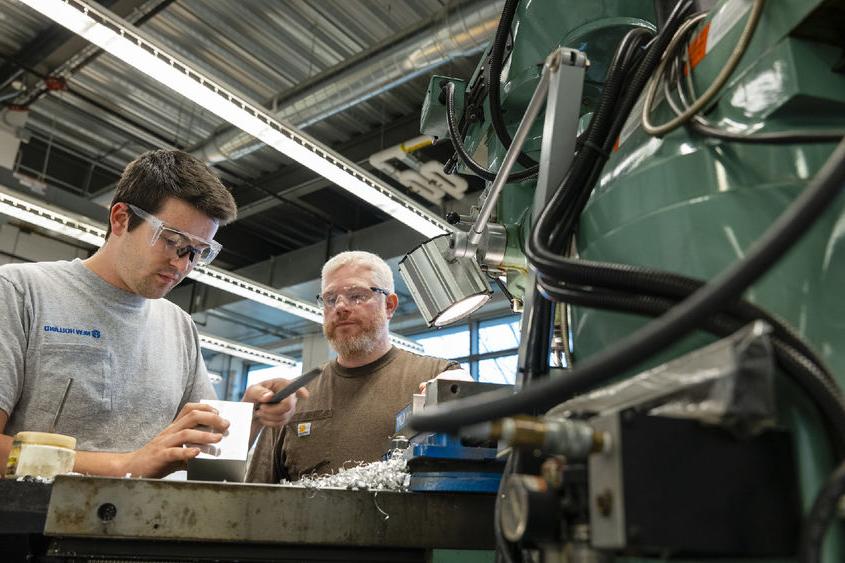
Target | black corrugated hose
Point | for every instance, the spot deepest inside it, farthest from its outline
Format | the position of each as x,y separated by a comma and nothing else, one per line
822,514
460,150
804,371
669,328
494,82
676,287
553,227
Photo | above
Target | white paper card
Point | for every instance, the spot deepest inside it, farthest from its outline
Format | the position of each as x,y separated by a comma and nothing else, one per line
235,443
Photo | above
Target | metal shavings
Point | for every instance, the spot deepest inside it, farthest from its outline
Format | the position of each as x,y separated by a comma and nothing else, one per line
34,479
388,475
40,479
375,502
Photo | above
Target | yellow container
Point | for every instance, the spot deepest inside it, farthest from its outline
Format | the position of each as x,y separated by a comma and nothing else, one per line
41,454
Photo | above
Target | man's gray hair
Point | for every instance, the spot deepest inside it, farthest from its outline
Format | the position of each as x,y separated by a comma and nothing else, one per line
382,274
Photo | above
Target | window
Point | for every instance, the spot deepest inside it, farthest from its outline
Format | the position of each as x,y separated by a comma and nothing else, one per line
498,370
449,343
487,349
498,334
263,374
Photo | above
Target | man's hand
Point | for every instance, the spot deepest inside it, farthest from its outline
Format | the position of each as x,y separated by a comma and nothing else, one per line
276,415
164,453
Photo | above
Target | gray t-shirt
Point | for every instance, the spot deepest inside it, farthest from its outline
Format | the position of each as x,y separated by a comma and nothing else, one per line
134,361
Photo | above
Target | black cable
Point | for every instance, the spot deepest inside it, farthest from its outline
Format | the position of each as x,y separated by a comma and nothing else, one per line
589,158
557,220
802,370
632,279
821,515
494,81
455,137
540,319
667,329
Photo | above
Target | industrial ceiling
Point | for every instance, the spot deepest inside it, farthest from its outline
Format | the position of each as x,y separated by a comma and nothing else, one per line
350,73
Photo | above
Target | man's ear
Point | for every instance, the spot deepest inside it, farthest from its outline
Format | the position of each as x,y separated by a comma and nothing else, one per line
391,302
119,218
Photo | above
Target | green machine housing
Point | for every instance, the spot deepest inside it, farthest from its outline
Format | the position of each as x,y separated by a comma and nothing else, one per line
692,204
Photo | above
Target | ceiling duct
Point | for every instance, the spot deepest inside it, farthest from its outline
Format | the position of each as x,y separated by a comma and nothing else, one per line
450,35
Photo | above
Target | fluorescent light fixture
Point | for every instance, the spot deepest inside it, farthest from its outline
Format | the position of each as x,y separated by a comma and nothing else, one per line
125,42
257,292
51,220
266,295
445,288
78,229
246,352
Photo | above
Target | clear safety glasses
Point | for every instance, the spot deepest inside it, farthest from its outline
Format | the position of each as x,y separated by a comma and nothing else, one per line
177,243
352,295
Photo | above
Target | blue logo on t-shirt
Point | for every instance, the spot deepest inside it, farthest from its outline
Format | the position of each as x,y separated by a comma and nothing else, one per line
94,333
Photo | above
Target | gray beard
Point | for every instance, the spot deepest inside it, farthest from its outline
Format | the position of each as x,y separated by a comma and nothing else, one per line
362,344
355,346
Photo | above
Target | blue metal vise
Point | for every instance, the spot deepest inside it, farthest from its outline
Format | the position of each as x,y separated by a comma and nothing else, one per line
444,462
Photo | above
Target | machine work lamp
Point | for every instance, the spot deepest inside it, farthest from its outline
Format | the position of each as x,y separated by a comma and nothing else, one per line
443,274
445,287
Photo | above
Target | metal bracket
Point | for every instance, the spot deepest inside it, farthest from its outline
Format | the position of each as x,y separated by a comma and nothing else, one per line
557,150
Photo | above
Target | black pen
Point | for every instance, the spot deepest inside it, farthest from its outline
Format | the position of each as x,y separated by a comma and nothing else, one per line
300,381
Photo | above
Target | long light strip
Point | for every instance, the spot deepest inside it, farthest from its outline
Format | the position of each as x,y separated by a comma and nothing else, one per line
51,220
246,352
78,229
254,291
126,42
266,295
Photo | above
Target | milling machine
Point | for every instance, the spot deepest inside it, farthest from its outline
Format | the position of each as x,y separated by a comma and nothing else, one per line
686,168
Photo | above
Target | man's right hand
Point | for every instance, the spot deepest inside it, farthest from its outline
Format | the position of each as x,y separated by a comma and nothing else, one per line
164,453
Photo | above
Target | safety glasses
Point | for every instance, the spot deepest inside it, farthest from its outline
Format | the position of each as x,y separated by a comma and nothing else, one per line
352,295
177,243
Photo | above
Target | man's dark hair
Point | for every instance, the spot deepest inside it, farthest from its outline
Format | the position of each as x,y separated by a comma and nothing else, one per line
157,175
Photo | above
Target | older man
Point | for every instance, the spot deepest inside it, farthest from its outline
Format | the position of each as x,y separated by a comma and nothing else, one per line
350,412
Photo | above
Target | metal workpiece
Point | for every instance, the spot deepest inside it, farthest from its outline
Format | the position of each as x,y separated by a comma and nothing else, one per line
147,509
444,390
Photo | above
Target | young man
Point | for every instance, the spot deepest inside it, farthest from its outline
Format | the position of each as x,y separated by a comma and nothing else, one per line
138,374
350,413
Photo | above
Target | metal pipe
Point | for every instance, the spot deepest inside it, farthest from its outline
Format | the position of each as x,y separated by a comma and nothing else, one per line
463,32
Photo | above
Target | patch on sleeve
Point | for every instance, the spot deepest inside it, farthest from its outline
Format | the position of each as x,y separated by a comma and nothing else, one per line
303,429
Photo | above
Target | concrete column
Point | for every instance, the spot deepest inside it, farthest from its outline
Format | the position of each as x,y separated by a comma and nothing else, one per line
315,351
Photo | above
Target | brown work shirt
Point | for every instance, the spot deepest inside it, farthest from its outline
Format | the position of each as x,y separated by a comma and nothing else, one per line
349,417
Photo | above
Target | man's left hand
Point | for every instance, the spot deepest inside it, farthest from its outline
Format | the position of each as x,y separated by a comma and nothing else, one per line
277,415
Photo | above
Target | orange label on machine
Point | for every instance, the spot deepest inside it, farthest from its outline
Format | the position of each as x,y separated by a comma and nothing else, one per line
697,48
